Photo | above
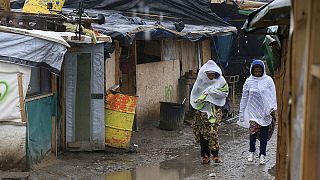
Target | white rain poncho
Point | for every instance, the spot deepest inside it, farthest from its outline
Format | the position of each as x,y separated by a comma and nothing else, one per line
206,93
258,99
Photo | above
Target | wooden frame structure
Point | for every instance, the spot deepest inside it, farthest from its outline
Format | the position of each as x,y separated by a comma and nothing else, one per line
302,141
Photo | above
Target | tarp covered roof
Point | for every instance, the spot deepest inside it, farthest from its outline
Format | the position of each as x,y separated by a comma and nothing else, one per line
276,12
129,19
32,48
190,11
126,29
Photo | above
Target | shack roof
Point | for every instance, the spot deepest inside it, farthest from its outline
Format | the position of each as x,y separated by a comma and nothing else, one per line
276,12
127,19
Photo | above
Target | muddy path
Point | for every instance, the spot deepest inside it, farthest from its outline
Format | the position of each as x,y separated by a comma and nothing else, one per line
162,155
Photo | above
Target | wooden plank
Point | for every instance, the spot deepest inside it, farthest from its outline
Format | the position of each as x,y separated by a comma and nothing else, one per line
38,97
132,68
315,71
117,62
63,110
189,56
311,87
110,68
205,51
282,82
21,98
104,38
151,89
300,44
53,83
54,149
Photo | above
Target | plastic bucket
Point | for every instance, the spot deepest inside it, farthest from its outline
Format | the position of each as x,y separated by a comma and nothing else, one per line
119,116
171,115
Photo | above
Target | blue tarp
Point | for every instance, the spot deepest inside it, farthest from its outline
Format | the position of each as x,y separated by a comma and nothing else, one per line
222,48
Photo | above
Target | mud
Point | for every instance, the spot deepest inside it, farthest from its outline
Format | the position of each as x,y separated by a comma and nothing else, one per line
162,155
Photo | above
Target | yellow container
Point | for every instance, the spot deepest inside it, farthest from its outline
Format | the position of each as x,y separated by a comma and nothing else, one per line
5,5
119,116
41,6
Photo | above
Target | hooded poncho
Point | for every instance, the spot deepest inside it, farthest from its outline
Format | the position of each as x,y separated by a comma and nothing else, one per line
258,99
206,93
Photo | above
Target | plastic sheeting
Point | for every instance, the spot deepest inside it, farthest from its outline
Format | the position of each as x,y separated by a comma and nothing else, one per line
156,19
276,12
125,28
9,91
39,127
32,51
191,11
272,52
222,48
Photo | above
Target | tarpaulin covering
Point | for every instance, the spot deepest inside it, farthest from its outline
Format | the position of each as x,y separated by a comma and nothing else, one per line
156,19
39,127
190,11
272,52
222,48
9,91
32,48
125,28
276,12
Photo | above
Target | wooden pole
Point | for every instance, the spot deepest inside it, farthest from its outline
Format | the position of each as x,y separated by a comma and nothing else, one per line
54,123
63,110
117,62
282,81
21,98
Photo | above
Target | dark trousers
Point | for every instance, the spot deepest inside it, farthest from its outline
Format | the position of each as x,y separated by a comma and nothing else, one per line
263,140
206,150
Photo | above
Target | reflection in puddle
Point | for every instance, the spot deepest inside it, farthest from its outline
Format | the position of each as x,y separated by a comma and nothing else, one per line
178,168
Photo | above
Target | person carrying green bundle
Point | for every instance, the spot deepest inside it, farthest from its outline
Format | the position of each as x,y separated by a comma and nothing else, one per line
208,95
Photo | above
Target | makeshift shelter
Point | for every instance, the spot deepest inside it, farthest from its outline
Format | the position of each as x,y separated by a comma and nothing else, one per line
156,46
26,133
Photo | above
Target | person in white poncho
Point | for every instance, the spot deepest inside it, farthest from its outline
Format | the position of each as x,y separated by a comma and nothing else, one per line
208,95
257,108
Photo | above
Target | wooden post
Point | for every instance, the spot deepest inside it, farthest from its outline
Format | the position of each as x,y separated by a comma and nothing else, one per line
54,123
21,98
54,149
53,83
117,62
63,110
132,68
282,82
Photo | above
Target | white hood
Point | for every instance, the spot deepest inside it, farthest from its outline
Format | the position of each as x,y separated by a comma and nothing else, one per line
204,84
258,99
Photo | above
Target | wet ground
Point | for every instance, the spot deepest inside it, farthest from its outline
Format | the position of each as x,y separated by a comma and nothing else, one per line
163,155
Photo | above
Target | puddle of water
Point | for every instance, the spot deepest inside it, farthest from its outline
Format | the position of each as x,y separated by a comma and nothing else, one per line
272,171
179,168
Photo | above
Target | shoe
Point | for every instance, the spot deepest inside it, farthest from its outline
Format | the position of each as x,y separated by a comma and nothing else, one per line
205,159
217,160
250,157
262,159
